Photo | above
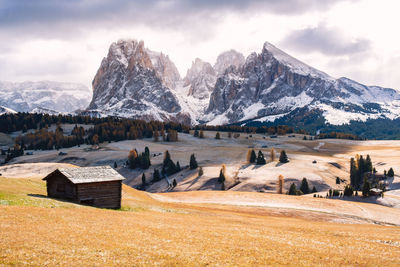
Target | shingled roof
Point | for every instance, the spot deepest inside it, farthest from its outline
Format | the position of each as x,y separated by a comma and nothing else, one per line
89,174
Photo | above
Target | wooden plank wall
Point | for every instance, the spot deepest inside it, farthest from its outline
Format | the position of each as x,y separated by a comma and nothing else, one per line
101,194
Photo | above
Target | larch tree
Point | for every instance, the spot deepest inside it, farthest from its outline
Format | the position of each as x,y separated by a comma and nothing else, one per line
280,184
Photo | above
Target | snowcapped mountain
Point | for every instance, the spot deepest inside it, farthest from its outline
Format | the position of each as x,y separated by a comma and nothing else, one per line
57,96
273,84
134,81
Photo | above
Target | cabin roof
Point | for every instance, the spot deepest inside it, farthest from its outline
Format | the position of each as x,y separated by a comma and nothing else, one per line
89,174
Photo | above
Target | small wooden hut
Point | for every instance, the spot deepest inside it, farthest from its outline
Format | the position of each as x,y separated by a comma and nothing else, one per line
95,186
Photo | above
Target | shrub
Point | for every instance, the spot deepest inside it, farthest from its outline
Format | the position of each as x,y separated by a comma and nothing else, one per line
201,171
217,136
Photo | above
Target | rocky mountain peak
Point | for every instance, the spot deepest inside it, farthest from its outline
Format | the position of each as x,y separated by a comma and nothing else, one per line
227,59
201,78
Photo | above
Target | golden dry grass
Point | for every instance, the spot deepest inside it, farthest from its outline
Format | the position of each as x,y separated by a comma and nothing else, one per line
149,232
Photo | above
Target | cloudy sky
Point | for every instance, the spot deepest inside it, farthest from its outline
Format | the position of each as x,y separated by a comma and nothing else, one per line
66,40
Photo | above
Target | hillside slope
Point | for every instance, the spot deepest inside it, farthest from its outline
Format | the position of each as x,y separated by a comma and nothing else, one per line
149,232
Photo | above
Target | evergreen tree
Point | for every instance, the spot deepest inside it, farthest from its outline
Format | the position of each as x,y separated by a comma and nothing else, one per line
143,179
353,173
178,166
390,173
174,183
217,136
167,158
304,186
348,191
283,157
368,164
196,133
337,180
314,190
193,163
253,157
221,177
147,152
292,190
156,175
115,165
366,187
384,173
260,158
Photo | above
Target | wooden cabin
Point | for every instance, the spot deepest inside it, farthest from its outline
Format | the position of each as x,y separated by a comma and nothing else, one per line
99,186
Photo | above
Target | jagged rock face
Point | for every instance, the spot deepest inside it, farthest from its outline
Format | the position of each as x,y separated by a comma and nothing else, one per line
273,82
133,81
228,59
201,78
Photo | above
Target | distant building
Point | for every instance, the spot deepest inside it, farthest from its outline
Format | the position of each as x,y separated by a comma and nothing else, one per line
375,192
95,186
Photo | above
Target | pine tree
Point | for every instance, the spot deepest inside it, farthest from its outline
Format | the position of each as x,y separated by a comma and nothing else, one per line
252,156
196,133
143,179
283,157
337,180
314,190
368,164
178,166
156,175
193,163
390,173
174,183
304,186
221,177
260,158
348,191
366,187
115,165
217,136
353,173
292,190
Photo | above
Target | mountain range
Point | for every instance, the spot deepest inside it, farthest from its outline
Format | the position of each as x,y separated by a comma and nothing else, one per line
43,97
264,88
134,81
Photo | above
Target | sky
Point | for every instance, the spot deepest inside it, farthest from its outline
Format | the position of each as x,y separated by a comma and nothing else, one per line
65,40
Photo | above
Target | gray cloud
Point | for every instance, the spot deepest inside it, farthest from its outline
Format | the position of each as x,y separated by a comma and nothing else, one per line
325,40
47,17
